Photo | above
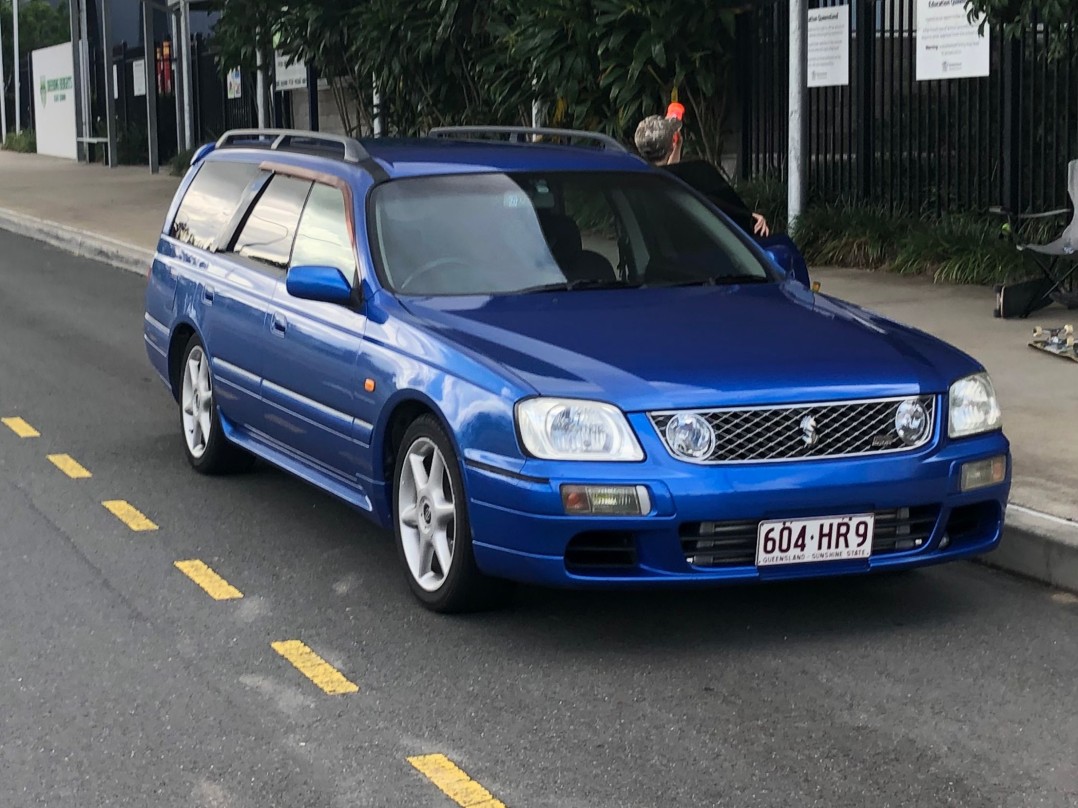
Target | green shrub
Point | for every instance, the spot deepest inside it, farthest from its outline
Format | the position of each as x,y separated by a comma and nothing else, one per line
179,164
132,145
766,195
850,235
24,141
966,248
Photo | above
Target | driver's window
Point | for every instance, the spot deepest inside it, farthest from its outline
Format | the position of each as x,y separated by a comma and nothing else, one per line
591,211
323,238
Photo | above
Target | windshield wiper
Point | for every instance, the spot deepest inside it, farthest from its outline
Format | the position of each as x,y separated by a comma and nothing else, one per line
715,280
580,283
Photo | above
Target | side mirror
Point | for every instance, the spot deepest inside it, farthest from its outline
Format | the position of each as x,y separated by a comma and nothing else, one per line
324,284
783,258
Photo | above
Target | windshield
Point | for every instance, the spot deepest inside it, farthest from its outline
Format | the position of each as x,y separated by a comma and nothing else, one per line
483,234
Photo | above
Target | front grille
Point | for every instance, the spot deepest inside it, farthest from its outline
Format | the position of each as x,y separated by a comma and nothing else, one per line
763,434
733,544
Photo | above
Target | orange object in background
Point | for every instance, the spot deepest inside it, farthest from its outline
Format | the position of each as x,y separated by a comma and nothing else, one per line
676,110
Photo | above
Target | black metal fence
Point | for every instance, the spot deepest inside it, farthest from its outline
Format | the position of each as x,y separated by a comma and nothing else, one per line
923,147
213,111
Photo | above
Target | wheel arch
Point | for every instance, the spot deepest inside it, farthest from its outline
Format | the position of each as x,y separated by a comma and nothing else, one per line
181,335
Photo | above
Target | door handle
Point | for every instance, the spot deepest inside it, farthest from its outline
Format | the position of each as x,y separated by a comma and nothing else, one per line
279,324
207,295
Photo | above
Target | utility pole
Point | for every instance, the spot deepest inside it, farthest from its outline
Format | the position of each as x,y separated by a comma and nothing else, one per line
795,202
3,87
18,64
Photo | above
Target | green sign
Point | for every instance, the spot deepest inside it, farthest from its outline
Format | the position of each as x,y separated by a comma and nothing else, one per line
57,88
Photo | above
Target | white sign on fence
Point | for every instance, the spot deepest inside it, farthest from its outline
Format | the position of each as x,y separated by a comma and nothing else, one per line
138,73
949,46
290,75
829,47
233,84
54,101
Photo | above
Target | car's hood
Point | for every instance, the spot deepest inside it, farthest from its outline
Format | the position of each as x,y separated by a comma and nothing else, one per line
695,346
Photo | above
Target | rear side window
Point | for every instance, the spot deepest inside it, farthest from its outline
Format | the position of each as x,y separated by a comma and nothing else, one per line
210,202
270,229
323,238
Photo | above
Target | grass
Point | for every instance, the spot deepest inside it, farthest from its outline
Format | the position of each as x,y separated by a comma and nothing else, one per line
24,141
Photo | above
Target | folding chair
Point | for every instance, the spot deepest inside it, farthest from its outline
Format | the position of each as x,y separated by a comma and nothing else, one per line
1057,261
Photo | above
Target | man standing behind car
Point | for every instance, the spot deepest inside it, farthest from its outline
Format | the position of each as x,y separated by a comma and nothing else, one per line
658,140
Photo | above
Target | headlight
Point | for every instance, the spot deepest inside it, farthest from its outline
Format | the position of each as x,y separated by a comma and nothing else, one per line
571,429
973,408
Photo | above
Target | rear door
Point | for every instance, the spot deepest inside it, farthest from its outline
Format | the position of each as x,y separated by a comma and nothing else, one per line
258,260
311,383
228,302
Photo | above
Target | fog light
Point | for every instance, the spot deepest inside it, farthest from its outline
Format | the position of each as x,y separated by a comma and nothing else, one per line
605,500
984,472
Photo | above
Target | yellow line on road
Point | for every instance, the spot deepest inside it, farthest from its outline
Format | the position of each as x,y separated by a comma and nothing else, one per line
69,466
129,515
216,586
20,427
454,782
307,662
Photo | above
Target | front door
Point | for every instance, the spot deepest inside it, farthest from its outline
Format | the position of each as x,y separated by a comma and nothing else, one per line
312,376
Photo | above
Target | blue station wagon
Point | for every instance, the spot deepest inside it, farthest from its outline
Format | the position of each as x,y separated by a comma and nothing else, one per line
540,359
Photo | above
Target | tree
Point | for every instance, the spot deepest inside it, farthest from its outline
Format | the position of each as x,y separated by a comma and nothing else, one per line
596,64
40,25
1014,16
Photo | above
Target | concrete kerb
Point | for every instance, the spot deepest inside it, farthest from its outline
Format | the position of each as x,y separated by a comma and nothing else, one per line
78,242
1036,545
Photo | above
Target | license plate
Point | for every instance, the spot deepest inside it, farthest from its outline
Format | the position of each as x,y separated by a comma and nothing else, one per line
804,541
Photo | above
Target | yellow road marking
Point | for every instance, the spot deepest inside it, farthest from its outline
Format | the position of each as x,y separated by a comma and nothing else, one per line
216,586
307,662
69,466
129,515
20,427
454,782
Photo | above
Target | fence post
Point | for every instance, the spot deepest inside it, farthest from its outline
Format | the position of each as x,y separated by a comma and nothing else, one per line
1012,124
866,58
744,31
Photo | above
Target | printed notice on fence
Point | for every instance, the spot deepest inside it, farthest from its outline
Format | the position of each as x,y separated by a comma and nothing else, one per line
829,47
949,46
138,73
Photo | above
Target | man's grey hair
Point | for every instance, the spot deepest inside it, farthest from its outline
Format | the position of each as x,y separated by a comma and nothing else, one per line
655,137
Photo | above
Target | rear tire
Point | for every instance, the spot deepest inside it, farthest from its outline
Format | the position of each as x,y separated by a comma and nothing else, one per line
434,535
204,442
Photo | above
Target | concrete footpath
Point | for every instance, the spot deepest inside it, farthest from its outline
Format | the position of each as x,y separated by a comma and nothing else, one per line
115,215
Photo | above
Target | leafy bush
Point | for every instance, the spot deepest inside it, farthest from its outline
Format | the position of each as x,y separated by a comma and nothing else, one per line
765,195
179,164
24,141
851,235
967,249
132,145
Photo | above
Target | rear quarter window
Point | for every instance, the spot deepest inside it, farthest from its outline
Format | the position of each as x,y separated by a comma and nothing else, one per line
210,202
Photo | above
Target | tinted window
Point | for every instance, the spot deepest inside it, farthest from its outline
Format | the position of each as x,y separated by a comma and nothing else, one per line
323,238
210,202
270,228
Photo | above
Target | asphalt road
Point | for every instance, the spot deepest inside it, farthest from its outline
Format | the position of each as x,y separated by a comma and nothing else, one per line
122,682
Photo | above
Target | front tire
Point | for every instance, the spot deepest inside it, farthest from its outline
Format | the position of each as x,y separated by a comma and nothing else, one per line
207,449
434,535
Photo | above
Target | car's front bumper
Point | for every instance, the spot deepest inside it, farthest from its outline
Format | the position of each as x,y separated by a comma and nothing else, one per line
521,531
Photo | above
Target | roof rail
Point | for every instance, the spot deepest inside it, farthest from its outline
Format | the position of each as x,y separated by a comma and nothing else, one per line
605,141
285,138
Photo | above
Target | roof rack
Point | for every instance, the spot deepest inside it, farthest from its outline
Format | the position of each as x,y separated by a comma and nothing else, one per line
285,139
475,132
